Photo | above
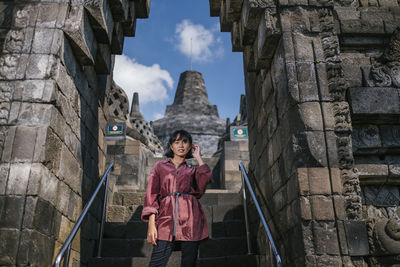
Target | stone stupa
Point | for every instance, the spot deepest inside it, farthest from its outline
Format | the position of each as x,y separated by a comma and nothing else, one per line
192,112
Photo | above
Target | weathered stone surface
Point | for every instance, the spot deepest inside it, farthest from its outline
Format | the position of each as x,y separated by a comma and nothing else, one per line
383,196
12,208
9,246
325,238
357,239
35,249
142,8
103,22
374,101
322,208
18,179
80,32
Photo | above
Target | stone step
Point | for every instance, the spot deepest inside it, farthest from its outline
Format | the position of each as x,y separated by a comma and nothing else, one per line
215,247
227,213
133,229
228,229
229,261
138,229
128,198
216,199
208,199
123,214
219,247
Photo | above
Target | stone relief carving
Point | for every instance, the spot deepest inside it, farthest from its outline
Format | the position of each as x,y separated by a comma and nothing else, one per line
14,41
337,88
117,101
385,70
117,109
384,236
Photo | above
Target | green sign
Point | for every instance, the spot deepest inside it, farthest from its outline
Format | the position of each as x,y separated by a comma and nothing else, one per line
116,129
238,133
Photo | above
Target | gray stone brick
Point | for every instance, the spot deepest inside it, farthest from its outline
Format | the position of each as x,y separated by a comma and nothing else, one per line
18,178
366,136
325,238
24,144
311,116
35,249
374,100
39,215
33,114
11,208
390,135
39,66
357,238
42,40
4,170
63,196
322,208
9,246
70,170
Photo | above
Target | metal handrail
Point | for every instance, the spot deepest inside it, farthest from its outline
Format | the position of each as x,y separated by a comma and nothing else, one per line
67,245
245,178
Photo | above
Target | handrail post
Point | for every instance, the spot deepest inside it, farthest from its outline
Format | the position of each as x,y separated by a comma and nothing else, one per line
271,253
66,260
103,217
245,215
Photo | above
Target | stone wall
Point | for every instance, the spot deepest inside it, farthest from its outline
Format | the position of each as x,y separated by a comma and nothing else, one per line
55,67
133,160
311,67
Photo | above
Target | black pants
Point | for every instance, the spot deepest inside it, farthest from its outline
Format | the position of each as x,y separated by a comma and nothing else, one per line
163,250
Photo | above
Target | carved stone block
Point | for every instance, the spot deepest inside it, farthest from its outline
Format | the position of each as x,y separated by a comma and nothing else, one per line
381,196
378,101
80,32
325,238
102,19
357,238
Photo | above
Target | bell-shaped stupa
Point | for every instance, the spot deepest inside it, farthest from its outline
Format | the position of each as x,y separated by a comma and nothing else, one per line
192,112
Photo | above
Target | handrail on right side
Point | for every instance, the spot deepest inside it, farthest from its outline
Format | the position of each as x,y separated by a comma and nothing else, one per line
245,178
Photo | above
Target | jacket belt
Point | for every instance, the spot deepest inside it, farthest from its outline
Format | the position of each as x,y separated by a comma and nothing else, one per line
176,194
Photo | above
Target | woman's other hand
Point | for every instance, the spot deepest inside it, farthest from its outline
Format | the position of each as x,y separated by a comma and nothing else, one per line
196,154
152,231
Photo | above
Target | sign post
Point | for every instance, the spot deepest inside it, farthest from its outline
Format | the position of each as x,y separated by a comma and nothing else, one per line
116,130
238,133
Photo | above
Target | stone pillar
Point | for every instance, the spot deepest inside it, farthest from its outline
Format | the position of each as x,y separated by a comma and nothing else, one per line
300,59
233,152
55,66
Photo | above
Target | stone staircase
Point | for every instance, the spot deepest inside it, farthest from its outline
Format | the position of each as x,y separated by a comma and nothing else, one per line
124,243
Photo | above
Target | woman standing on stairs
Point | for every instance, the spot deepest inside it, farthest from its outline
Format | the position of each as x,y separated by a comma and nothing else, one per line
171,205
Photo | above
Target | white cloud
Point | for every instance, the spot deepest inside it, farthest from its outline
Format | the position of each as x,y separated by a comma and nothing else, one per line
151,82
195,39
157,116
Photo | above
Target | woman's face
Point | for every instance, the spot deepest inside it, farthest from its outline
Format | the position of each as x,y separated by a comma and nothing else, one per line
180,147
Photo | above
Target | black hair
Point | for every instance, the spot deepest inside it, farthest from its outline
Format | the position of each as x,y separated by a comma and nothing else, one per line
176,136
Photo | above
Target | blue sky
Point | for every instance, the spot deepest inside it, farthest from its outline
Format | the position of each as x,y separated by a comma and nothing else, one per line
154,59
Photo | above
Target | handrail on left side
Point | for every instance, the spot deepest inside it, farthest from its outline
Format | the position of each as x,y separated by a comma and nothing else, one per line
67,245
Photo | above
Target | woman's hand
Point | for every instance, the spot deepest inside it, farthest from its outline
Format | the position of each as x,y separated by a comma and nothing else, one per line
196,154
152,231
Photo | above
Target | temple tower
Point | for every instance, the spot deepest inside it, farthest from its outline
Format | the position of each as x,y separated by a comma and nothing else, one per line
193,112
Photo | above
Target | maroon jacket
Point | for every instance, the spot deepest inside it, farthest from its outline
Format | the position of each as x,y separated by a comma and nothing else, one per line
165,180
